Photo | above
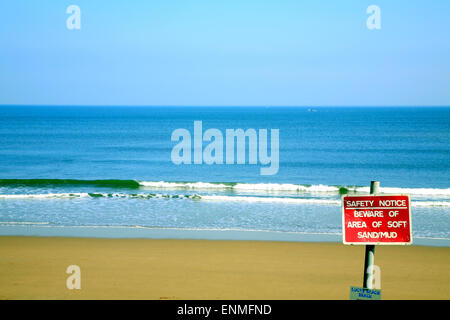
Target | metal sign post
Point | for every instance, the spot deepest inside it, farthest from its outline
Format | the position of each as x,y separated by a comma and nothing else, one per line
375,219
370,248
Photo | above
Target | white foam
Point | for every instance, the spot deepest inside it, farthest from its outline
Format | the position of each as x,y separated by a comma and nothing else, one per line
271,200
417,191
241,186
23,223
285,187
44,196
309,201
272,187
430,203
249,199
411,191
184,185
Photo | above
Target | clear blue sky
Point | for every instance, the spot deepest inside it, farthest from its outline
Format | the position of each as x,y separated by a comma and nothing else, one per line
225,52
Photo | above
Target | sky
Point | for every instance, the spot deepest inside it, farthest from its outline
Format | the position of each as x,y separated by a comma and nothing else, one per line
225,53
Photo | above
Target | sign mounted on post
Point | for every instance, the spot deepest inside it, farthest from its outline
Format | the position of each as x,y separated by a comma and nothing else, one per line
357,293
376,219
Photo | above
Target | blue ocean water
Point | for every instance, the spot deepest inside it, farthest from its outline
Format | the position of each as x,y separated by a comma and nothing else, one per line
49,157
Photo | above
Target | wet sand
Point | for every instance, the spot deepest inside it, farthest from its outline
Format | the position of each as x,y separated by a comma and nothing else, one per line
35,268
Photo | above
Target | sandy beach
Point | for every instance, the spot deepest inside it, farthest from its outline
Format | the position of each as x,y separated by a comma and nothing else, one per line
35,268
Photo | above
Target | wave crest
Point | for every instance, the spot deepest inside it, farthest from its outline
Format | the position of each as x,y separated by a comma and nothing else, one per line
228,186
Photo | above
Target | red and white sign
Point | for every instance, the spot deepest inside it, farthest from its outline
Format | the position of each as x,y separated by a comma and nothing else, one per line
376,219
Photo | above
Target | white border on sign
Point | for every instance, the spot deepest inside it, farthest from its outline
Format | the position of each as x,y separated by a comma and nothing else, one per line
376,243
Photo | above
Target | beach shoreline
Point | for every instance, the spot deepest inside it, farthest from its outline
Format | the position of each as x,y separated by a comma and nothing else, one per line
160,269
139,232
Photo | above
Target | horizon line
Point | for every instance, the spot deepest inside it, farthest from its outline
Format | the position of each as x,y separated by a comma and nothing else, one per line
225,106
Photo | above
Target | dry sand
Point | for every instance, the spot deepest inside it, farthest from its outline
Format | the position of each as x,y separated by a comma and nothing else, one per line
35,268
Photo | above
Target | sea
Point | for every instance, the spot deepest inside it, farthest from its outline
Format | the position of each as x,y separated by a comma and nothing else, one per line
109,172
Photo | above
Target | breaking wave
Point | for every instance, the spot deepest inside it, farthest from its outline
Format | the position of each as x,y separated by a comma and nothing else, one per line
232,186
274,187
